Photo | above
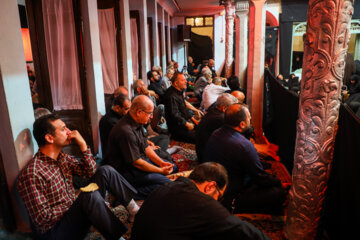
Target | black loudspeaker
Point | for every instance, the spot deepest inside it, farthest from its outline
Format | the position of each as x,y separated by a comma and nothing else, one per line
184,33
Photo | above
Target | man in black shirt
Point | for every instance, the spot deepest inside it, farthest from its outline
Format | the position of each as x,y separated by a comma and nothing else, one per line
179,118
212,120
155,85
129,152
119,108
188,209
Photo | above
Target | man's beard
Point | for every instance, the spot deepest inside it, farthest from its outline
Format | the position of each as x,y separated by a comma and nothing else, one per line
249,132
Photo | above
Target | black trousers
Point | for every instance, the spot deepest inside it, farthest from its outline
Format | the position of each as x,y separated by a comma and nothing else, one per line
255,199
183,135
90,209
161,140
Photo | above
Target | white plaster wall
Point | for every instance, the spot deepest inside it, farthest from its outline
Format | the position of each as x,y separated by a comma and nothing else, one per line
219,42
95,87
274,8
16,112
141,6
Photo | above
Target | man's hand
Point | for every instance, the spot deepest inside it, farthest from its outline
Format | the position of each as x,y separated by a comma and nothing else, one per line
75,135
166,168
144,91
152,145
152,93
199,114
195,121
189,126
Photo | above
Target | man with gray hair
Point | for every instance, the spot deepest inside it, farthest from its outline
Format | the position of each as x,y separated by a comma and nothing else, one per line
212,92
166,82
202,82
212,120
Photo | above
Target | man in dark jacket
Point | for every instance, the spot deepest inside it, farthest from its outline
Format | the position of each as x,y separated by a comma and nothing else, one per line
188,209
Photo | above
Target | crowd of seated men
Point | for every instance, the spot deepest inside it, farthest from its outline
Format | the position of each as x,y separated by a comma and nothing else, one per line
135,136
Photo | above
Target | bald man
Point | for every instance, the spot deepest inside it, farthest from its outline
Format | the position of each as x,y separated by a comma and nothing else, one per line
239,95
129,153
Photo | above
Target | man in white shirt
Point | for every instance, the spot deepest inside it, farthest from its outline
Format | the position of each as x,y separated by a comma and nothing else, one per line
212,92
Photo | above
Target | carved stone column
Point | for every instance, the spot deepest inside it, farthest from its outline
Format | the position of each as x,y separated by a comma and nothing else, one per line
241,63
230,13
255,73
242,10
325,47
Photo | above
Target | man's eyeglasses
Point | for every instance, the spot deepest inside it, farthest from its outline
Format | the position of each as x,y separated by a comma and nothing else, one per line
148,113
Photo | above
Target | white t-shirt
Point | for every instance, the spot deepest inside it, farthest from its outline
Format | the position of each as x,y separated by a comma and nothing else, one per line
211,93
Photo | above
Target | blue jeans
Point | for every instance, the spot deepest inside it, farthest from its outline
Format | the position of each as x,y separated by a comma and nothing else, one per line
145,182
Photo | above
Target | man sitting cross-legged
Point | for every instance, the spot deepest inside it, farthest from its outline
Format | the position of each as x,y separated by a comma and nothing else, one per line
120,107
250,189
188,209
129,152
46,187
178,113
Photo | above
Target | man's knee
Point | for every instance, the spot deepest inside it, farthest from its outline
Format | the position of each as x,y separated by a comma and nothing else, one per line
89,200
105,169
156,178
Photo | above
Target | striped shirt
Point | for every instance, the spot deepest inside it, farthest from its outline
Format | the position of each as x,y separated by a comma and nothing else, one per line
46,186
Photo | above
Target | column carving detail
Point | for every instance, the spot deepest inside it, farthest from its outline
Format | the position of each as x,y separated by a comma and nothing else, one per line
242,11
230,14
325,47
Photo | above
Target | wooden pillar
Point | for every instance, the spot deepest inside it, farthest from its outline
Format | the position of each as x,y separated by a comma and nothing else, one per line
152,12
325,47
126,43
141,6
161,19
95,87
230,14
255,74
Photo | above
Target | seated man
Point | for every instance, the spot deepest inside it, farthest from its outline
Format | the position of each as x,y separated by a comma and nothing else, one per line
188,209
155,85
202,82
158,122
179,119
166,82
212,120
234,85
119,108
250,189
239,95
121,90
212,92
212,67
46,187
129,153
